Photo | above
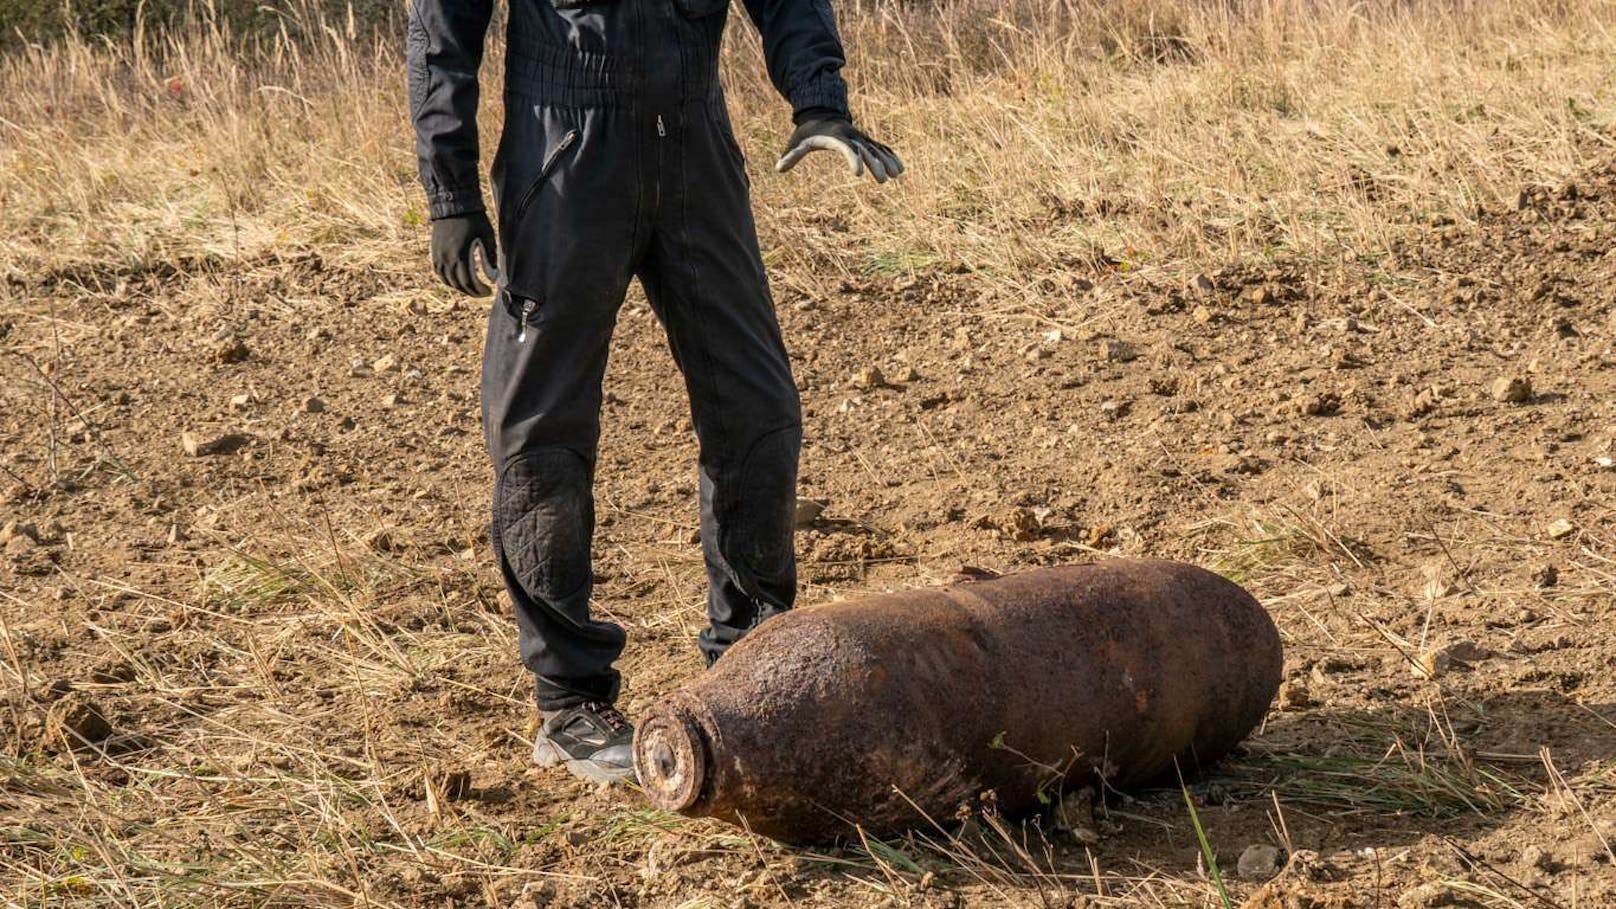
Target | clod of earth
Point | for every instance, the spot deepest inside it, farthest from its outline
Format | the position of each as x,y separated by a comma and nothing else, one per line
892,712
76,722
1511,389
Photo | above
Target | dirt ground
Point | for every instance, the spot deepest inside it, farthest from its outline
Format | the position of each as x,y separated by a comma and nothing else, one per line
244,506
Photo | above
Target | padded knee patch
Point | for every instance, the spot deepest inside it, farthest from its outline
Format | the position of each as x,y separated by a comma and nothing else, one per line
545,517
763,526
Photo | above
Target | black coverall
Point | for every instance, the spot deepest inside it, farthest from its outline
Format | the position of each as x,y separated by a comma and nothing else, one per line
618,161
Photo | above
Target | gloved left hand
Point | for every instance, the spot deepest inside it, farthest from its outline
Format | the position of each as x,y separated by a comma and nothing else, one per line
455,242
839,134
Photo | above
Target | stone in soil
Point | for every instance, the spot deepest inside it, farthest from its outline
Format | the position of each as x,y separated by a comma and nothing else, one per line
1560,529
808,511
201,447
1260,862
1074,815
868,378
1511,389
230,350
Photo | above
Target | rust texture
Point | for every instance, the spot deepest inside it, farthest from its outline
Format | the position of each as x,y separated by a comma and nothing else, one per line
892,711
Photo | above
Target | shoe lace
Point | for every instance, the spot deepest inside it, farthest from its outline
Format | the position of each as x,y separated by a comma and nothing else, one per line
608,714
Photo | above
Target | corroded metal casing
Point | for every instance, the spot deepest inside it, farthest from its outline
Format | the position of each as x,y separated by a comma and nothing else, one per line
892,711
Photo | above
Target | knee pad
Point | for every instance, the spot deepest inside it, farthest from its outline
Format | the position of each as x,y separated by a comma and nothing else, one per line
763,520
544,521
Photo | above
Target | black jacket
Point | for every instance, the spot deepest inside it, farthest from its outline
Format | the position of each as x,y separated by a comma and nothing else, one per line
445,49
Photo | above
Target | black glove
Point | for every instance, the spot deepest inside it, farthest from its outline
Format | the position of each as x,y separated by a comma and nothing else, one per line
453,242
839,134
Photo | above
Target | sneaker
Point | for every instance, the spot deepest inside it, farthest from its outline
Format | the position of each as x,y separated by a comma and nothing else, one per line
593,740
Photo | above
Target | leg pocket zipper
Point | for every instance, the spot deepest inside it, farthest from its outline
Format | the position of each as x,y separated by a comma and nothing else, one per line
549,167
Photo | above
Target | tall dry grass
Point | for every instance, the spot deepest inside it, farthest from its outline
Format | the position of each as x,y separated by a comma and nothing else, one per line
1040,134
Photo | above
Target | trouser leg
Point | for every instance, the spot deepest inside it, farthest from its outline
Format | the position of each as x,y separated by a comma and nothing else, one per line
704,276
567,237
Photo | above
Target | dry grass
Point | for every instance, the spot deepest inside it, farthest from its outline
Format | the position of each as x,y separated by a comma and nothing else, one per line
1044,139
1042,135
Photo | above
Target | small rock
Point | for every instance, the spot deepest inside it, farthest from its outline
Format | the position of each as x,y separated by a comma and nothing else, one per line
808,511
907,374
1546,576
1322,404
1294,695
868,378
1118,351
318,333
312,405
1074,815
20,547
1259,862
14,529
1201,314
1114,409
385,363
1511,389
1458,655
536,895
240,402
230,349
114,671
1560,529
1202,284
391,401
1537,858
196,446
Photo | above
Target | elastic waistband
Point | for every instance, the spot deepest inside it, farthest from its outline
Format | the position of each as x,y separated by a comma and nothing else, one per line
574,78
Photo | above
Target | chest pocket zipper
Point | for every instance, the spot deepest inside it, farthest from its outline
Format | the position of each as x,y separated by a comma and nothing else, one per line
549,167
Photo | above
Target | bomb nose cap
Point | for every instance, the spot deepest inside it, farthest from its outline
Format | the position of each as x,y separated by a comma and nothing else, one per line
672,758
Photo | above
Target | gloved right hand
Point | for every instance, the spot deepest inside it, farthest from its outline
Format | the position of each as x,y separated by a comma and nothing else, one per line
453,240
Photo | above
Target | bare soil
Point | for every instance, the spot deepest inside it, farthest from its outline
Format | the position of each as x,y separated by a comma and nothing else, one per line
293,663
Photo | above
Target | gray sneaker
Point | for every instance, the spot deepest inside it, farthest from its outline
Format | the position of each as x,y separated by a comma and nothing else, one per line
593,740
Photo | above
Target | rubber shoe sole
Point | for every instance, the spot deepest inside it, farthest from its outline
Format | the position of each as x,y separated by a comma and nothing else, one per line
547,754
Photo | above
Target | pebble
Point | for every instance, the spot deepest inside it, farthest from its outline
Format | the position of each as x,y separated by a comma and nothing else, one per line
391,401
868,378
1201,314
1294,695
240,402
1511,389
384,363
1259,862
1436,661
312,405
1118,351
1074,815
230,349
808,511
1536,857
1560,529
